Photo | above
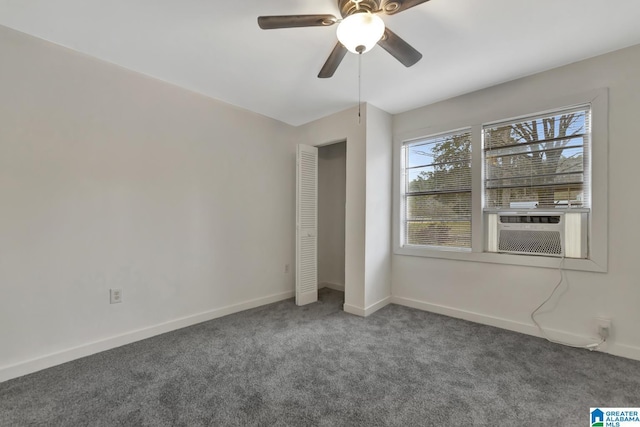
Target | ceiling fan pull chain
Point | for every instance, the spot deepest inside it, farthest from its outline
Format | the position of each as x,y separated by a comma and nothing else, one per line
359,83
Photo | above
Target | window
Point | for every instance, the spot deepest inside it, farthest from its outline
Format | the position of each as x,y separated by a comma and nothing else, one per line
453,188
437,191
538,162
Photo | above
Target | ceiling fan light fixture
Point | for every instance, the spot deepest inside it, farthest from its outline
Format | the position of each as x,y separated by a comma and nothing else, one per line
360,32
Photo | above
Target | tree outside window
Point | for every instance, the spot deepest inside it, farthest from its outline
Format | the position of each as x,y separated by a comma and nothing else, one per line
438,191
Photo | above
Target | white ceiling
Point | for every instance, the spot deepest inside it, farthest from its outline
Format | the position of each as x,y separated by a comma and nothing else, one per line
215,47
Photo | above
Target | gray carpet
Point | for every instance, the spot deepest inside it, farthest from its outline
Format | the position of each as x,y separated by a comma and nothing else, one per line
284,365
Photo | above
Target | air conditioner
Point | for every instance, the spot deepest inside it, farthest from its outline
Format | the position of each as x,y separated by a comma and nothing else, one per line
548,233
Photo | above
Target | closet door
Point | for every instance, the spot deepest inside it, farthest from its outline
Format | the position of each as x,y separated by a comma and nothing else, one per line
307,225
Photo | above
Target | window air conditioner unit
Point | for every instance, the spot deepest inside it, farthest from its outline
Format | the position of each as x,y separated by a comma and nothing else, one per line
556,234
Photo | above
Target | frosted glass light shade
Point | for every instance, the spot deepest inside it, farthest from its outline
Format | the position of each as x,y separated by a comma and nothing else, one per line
360,32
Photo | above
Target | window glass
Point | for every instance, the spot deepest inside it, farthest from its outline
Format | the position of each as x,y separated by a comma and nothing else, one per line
538,162
437,191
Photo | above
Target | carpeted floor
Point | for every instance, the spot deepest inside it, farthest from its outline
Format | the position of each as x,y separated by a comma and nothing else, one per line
316,365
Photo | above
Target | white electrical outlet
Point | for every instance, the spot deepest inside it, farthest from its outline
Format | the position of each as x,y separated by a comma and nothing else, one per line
115,296
286,268
603,327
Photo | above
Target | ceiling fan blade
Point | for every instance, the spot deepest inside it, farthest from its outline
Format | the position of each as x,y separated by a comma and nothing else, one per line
399,49
292,21
335,58
392,7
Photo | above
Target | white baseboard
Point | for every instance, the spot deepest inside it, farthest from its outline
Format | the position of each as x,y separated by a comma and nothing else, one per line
334,286
367,311
622,350
43,362
352,309
377,306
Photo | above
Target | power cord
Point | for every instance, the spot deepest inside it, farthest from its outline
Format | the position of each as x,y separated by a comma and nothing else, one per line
589,347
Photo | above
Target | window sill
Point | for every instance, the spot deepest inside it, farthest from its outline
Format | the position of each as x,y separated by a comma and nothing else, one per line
495,258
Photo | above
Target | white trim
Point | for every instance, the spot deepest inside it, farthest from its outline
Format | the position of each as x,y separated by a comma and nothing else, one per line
598,219
508,259
377,306
352,309
364,312
53,359
334,286
477,193
616,349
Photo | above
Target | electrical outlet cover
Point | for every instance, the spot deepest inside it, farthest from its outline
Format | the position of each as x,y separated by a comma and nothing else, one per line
115,296
603,323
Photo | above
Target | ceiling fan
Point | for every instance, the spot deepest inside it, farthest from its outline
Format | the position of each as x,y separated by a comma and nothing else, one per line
359,30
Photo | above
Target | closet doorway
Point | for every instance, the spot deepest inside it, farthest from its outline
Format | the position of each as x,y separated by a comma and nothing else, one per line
332,192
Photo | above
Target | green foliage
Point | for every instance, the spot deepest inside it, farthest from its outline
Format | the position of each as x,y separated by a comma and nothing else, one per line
440,233
451,167
444,194
537,158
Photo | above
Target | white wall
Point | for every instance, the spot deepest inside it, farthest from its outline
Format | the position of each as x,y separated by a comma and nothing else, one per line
332,186
109,179
505,295
378,237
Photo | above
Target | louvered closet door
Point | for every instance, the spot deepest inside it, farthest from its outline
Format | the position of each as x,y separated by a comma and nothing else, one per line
307,225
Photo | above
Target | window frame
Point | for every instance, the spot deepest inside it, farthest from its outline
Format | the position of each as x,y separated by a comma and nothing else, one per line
598,217
403,194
